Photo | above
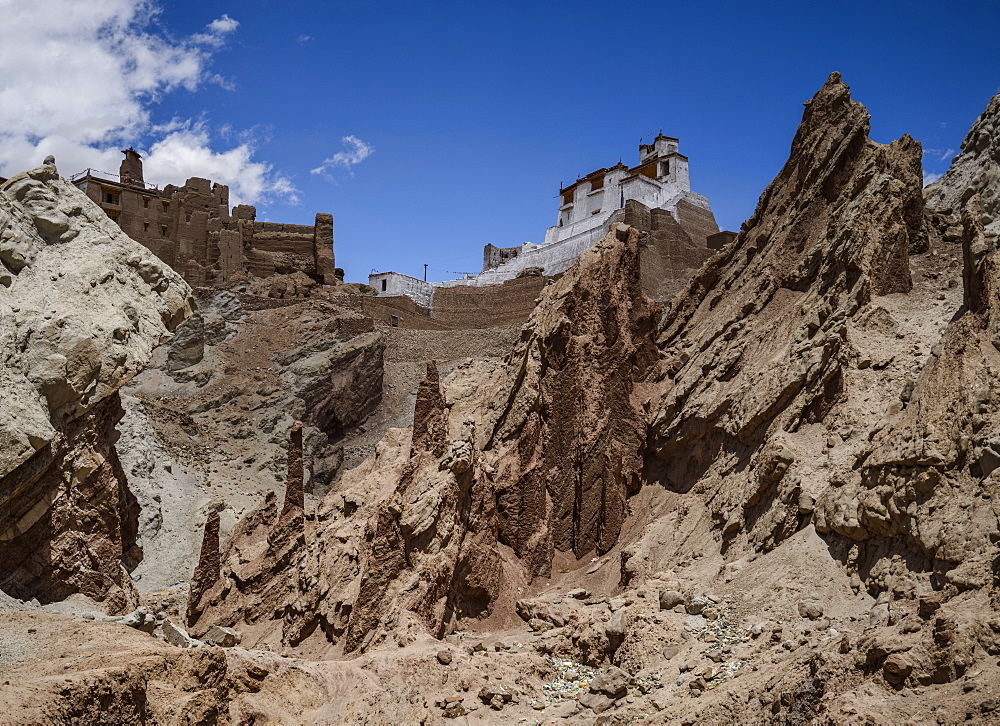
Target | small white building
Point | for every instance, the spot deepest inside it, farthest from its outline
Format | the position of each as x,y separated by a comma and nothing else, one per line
395,284
587,209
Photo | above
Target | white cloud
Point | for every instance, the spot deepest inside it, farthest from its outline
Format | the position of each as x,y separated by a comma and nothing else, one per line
304,39
79,80
930,178
946,155
355,152
187,152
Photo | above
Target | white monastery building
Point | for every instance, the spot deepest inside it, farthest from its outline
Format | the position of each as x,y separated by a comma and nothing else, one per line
587,209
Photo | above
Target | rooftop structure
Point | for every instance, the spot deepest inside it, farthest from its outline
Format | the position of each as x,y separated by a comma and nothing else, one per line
192,229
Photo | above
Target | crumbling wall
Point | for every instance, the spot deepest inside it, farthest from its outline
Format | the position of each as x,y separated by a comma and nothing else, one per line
282,249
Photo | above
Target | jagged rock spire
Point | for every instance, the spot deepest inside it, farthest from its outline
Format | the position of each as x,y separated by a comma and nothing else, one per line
430,418
294,491
208,571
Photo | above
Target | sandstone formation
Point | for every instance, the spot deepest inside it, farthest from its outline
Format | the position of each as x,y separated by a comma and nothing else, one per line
770,500
524,459
81,308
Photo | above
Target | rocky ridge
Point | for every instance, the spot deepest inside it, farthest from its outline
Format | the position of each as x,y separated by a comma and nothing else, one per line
772,501
81,308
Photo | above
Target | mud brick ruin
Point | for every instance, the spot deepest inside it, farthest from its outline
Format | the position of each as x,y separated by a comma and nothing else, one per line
191,228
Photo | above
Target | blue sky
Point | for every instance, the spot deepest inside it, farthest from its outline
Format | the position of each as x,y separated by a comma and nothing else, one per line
429,129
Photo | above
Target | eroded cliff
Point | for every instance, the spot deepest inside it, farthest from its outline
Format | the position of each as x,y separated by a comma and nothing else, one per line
81,308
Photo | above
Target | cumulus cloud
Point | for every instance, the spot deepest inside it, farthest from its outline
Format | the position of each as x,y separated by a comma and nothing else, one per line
79,80
187,152
354,153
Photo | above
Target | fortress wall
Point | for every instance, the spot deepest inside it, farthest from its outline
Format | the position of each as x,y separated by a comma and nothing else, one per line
190,228
282,249
409,314
481,307
698,221
668,257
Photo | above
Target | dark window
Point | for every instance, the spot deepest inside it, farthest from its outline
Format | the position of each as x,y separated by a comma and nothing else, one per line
187,217
145,203
383,285
163,231
109,198
145,226
665,168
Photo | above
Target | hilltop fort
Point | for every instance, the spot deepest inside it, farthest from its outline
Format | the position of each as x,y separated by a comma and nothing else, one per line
680,233
190,227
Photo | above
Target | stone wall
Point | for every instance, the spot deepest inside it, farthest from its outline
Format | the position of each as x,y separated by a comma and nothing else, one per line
459,307
670,251
493,255
481,307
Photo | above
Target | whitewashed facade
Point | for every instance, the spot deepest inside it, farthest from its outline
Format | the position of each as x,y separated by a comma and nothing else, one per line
588,207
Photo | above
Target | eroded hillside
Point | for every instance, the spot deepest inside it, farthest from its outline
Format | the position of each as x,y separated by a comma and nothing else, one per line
771,500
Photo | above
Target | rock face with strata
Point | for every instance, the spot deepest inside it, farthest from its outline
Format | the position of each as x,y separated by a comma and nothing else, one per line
976,170
755,349
81,308
790,477
539,456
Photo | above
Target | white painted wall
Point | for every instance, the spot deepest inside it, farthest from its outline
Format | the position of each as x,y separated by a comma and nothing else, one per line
559,256
398,284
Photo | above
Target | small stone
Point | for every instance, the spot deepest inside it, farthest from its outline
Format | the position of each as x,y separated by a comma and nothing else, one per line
539,625
597,702
222,637
696,604
670,599
444,657
897,668
615,627
611,681
578,594
810,609
671,651
176,635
